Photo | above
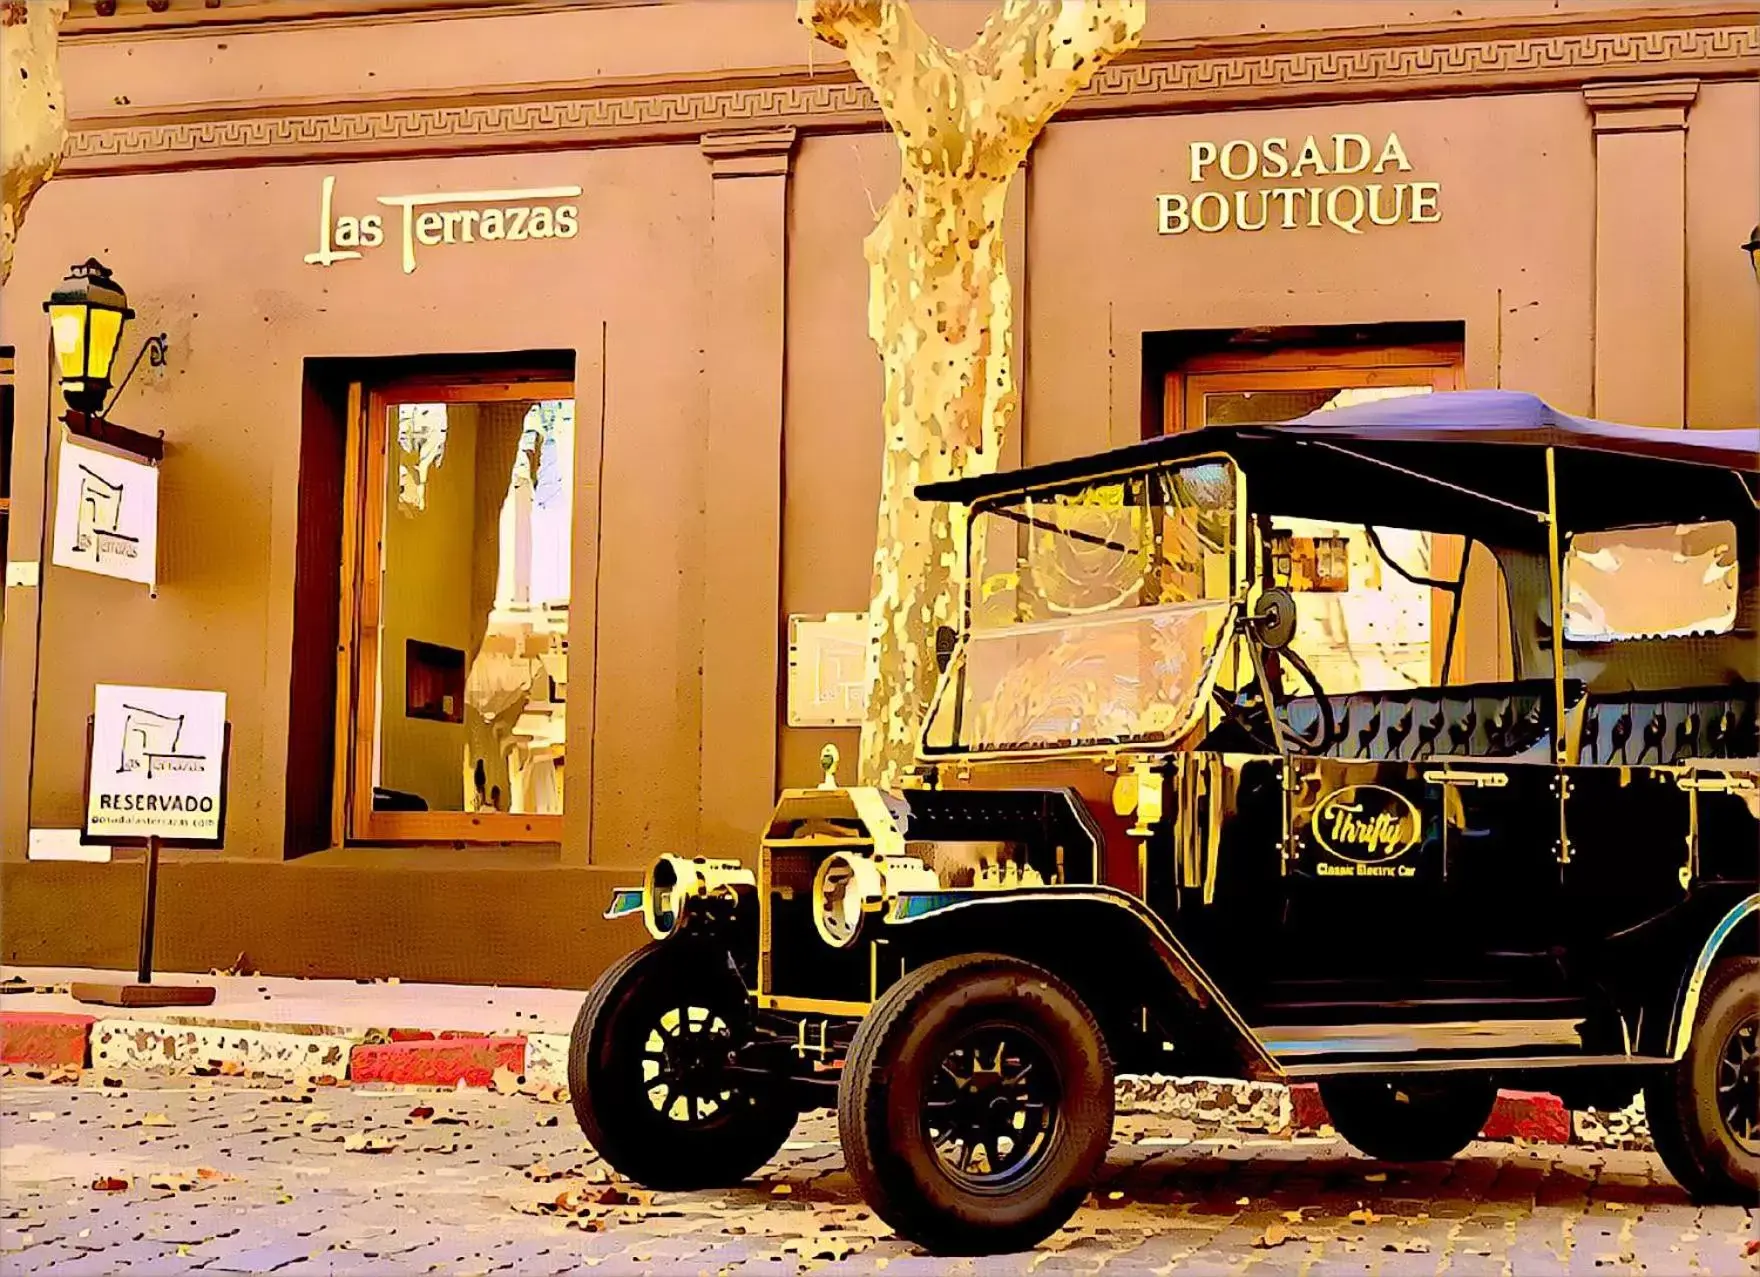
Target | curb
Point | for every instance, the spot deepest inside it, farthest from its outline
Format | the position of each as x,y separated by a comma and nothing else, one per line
536,1065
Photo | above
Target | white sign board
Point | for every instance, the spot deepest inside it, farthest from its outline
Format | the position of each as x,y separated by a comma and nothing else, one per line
106,514
157,764
827,670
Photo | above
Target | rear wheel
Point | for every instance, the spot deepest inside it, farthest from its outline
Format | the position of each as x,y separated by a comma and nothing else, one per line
648,1072
1704,1109
976,1104
1408,1119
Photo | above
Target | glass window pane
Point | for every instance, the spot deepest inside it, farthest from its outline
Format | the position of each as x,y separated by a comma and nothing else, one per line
1651,582
474,597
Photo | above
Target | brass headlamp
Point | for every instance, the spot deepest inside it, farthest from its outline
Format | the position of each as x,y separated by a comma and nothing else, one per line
677,888
849,886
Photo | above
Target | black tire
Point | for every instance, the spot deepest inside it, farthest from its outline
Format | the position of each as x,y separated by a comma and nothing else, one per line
1409,1119
644,1010
895,1091
1702,1108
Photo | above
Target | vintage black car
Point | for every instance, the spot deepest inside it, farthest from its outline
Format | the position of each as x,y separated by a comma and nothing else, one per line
1258,755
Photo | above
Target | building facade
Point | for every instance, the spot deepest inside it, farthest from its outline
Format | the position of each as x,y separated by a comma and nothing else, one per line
522,427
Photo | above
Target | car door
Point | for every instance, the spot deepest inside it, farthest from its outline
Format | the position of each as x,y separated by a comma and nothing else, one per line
1421,880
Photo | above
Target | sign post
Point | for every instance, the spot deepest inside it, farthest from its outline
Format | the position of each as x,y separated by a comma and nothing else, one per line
155,775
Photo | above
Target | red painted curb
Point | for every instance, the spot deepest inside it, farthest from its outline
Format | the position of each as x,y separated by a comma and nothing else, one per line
1306,1112
1525,1115
1529,1115
440,1062
51,1038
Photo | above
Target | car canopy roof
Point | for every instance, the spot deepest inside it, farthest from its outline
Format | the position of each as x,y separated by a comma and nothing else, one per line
1463,461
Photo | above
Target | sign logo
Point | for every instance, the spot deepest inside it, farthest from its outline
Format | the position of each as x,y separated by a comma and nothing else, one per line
1369,828
106,514
445,217
157,764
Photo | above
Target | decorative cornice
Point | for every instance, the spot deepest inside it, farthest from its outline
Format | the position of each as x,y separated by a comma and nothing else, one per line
1641,106
751,152
1703,41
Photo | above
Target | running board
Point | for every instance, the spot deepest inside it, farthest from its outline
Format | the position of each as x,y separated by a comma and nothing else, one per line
1289,1043
1476,1064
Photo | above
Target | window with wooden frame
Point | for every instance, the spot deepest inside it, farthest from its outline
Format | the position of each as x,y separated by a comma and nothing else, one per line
1381,630
453,661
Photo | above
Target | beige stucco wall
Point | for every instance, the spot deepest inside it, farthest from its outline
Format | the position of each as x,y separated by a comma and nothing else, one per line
213,256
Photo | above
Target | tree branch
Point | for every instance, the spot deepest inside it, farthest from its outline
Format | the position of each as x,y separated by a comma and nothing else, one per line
1034,55
907,68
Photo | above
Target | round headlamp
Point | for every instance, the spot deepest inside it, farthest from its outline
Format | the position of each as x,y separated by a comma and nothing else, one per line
849,886
676,885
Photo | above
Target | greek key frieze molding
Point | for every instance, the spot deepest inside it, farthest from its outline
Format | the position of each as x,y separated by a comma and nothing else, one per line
1332,67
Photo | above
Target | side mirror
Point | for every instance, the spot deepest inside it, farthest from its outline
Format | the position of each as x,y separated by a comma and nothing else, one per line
1274,618
946,639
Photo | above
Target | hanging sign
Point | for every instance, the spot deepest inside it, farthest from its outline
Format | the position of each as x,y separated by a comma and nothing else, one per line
157,766
106,514
1288,182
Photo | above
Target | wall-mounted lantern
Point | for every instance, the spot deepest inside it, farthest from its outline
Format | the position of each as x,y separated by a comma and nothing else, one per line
86,317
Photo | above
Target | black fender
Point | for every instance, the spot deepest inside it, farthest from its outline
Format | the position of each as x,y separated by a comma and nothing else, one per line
1654,971
1112,949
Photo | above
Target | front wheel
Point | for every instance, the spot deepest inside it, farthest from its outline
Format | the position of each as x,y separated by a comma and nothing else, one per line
976,1104
1704,1109
648,1072
1408,1119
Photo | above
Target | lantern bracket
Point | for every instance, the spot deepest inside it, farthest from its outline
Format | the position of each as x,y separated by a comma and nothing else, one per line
154,349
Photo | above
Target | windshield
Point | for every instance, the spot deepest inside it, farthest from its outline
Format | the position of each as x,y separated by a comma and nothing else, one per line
1095,612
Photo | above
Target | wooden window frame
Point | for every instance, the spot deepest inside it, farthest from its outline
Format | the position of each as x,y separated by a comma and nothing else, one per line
366,475
1436,365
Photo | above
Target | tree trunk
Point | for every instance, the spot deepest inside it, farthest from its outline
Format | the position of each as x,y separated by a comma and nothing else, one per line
939,304
33,110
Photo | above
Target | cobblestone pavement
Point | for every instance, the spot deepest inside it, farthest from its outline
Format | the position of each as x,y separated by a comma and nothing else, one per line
225,1175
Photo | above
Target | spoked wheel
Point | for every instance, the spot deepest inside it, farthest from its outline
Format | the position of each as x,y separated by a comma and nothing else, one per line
1409,1119
649,1076
976,1104
991,1108
1704,1109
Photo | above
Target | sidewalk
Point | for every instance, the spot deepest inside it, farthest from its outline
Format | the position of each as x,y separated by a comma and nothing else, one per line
342,1030
446,1035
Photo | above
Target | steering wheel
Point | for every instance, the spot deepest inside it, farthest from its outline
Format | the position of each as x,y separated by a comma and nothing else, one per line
1272,626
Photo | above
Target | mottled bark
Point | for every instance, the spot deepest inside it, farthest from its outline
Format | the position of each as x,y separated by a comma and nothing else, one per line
939,306
33,110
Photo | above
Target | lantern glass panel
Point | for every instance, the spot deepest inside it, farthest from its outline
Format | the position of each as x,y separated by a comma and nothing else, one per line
106,335
68,324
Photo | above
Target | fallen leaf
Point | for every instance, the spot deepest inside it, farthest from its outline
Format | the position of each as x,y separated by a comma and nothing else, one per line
1243,1201
505,1081
230,1068
547,1121
1362,1215
1377,1177
1274,1235
781,1190
208,1172
317,1117
421,1113
157,1119
359,1143
1752,1248
109,1184
1294,1216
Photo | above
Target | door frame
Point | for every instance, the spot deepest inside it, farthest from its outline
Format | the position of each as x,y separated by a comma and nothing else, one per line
1438,365
353,817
